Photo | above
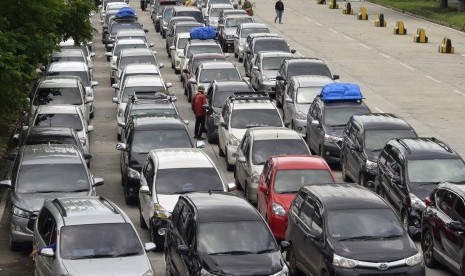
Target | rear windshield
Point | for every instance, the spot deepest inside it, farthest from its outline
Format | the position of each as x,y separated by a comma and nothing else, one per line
319,69
271,45
52,96
246,31
195,14
209,49
227,74
115,28
247,118
137,59
234,22
64,120
272,63
263,149
81,74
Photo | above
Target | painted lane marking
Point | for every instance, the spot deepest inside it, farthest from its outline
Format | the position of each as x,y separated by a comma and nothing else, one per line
348,38
364,46
433,79
406,66
334,31
384,55
379,110
460,93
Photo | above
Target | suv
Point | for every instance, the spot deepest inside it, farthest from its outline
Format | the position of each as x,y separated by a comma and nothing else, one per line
328,115
298,67
410,169
184,26
242,32
228,27
265,69
116,25
41,172
364,138
168,173
201,240
132,56
240,112
157,10
141,135
82,235
345,229
194,62
256,147
443,224
171,26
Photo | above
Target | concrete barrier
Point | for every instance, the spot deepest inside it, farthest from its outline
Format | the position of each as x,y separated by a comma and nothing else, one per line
420,36
362,14
446,46
400,28
380,22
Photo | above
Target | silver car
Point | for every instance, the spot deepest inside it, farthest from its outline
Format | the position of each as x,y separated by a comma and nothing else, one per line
228,27
242,31
265,69
88,236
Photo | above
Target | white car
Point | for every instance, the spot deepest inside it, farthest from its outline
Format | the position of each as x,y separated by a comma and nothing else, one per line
177,50
168,173
126,43
133,56
135,69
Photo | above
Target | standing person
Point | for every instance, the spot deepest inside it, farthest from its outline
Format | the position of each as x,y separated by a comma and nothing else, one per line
200,113
279,7
247,6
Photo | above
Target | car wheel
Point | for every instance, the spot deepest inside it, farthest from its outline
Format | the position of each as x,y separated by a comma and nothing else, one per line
15,246
130,200
112,81
168,265
224,47
427,246
345,178
220,150
108,58
91,115
142,223
118,137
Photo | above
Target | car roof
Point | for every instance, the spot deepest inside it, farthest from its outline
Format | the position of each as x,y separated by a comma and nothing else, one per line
58,109
136,52
253,25
236,86
217,64
458,188
183,35
49,154
126,41
88,210
304,60
299,162
58,81
143,80
221,206
72,52
64,66
311,80
273,133
343,196
153,122
182,158
131,32
424,148
220,6
208,56
141,68
381,121
255,103
186,8
265,35
50,131
275,54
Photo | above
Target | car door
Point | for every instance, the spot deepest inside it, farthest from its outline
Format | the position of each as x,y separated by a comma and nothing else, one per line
393,183
289,104
186,268
47,236
280,84
303,227
242,166
146,200
177,239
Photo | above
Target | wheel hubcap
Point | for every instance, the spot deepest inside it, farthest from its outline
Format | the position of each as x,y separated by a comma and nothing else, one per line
428,247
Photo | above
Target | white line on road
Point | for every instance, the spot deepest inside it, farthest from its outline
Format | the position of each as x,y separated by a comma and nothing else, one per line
2,204
379,110
406,66
299,54
348,38
334,31
318,23
384,55
364,46
460,93
308,18
433,79
462,55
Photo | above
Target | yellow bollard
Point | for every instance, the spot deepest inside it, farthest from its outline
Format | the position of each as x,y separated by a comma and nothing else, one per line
400,28
347,9
333,5
446,46
362,15
380,22
420,37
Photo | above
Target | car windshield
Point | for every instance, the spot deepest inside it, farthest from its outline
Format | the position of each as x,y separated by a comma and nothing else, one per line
182,42
272,63
45,139
64,120
263,149
306,95
195,14
246,118
81,74
319,69
434,170
167,14
215,12
48,178
208,49
147,140
197,62
243,237
219,74
375,140
136,36
68,58
246,31
116,27
63,95
120,46
340,116
99,240
290,181
186,180
130,91
234,22
363,223
137,59
274,45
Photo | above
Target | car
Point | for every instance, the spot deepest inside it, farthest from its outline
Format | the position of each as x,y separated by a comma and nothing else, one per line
168,173
189,11
217,94
257,145
442,226
363,140
41,172
263,43
228,27
131,56
240,112
157,11
345,229
53,90
132,33
71,232
177,51
64,116
265,69
301,92
136,69
329,114
281,179
127,43
409,169
214,13
86,47
210,3
225,13
194,62
170,30
165,18
69,55
299,67
178,28
199,225
141,135
116,5
208,71
242,32
116,25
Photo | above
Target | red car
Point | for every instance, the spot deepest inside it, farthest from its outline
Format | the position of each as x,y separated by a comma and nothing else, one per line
281,179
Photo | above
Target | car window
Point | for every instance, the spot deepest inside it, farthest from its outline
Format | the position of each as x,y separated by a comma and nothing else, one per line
219,74
375,140
296,204
184,180
290,181
246,118
146,140
46,226
65,120
317,221
446,203
459,211
306,212
149,174
58,95
263,149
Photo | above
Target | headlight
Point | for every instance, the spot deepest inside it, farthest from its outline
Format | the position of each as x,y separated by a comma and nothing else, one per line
414,260
416,203
332,139
233,140
133,173
161,212
21,212
149,273
284,272
344,262
165,24
255,178
300,115
371,165
278,209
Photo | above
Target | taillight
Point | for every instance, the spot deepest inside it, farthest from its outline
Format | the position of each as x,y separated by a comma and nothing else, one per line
428,201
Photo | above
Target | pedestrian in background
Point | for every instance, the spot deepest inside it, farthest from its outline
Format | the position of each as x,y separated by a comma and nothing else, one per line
248,7
200,113
279,7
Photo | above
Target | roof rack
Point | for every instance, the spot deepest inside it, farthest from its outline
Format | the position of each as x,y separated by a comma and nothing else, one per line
249,96
333,92
442,144
404,145
60,207
151,95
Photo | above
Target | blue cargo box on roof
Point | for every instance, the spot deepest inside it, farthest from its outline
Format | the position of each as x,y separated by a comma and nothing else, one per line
126,12
341,92
203,33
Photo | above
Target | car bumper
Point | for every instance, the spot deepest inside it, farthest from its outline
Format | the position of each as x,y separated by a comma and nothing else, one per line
300,126
21,229
278,226
418,270
231,154
158,226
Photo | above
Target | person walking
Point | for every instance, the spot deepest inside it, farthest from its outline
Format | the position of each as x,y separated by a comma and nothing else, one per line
200,113
248,7
279,7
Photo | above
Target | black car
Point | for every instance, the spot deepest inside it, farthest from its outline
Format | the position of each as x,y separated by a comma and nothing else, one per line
298,67
409,169
363,140
217,94
145,133
219,233
443,225
345,229
328,115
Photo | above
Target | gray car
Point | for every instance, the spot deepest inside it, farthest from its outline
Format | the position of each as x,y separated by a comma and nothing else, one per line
227,29
170,30
43,172
242,32
95,237
180,27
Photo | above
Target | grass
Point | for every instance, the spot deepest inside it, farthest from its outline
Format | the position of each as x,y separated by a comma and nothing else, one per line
429,9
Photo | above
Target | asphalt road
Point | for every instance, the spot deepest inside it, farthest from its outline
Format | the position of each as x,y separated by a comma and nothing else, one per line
398,76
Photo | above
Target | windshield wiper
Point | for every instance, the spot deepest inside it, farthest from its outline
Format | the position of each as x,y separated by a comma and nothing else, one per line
361,238
94,256
76,191
127,254
255,125
391,236
289,192
265,251
430,183
232,253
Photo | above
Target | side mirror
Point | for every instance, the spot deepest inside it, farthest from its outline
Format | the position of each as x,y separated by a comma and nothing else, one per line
114,100
200,144
144,190
236,36
293,51
122,124
224,124
161,65
182,250
173,99
248,51
279,78
92,54
108,54
90,128
5,184
114,85
110,45
428,201
255,68
94,83
263,188
12,156
191,81
114,67
456,226
149,246
313,234
172,48
25,128
154,52
315,123
121,146
232,186
47,252
169,84
87,156
42,68
336,77
98,181
285,246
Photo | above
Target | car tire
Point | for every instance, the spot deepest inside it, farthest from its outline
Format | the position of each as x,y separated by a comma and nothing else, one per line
158,246
15,246
112,81
118,137
91,115
427,246
130,200
142,223
224,47
404,219
220,150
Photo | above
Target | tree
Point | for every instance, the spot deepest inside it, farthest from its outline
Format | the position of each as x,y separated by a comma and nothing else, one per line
29,31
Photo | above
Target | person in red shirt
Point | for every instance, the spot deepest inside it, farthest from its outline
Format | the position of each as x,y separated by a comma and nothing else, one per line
200,113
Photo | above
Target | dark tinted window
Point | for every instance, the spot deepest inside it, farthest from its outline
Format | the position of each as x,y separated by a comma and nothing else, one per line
271,45
307,68
246,31
263,149
377,139
434,170
272,63
65,95
42,139
64,120
340,116
226,74
195,14
144,141
246,118
138,59
186,180
235,21
81,74
290,181
153,111
119,47
116,27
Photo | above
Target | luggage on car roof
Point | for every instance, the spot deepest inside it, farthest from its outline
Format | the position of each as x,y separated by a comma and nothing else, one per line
341,92
203,33
126,12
